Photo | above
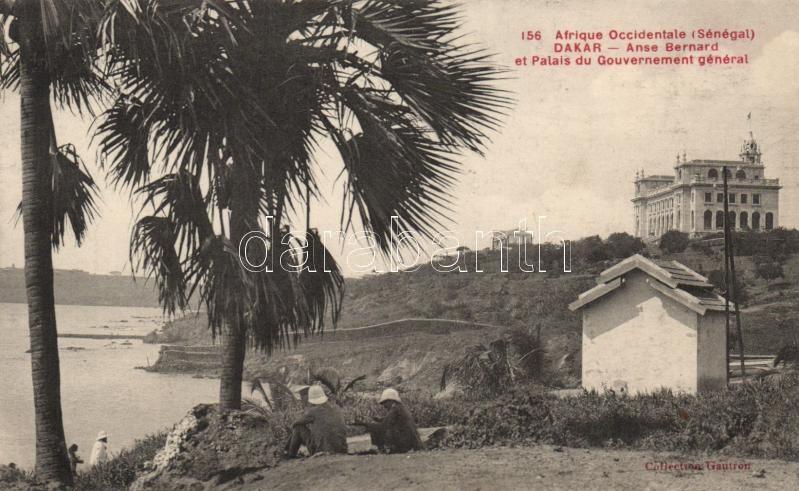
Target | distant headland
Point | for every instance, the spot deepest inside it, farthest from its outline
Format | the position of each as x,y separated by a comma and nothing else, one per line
77,287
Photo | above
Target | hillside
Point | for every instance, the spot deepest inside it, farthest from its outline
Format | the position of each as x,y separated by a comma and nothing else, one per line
75,287
512,299
414,356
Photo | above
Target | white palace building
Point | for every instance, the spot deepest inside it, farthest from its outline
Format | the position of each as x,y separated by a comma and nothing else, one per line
692,200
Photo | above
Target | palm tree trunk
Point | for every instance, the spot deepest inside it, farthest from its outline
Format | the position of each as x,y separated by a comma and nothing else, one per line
233,351
35,120
234,339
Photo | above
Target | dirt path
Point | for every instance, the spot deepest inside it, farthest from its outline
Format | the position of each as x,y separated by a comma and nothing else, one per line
541,467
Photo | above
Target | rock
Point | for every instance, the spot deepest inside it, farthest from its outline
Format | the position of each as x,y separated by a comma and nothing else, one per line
403,370
174,444
208,447
55,486
452,389
435,438
761,473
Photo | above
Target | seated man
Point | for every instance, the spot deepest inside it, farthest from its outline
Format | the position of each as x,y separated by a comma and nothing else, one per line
321,427
396,432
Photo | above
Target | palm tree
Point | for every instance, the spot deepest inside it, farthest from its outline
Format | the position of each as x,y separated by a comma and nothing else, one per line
50,52
253,88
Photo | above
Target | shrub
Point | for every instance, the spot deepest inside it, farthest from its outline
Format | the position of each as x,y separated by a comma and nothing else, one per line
702,247
516,417
529,350
674,241
590,249
769,270
755,419
622,245
119,472
12,477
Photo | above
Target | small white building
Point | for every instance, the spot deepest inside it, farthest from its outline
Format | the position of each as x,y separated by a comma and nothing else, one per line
652,324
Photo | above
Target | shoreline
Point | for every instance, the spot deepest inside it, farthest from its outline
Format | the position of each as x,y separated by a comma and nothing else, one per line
101,336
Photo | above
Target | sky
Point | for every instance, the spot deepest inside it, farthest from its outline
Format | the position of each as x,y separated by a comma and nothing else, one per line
570,146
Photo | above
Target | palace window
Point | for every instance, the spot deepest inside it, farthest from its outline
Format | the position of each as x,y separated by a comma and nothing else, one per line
744,198
755,199
744,219
740,174
732,197
755,221
719,197
708,219
712,174
719,219
708,197
769,221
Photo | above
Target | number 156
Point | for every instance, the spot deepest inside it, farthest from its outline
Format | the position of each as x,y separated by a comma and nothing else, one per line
531,35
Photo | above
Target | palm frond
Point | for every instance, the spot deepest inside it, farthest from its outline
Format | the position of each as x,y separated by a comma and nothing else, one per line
322,282
123,135
180,197
483,371
152,249
225,287
256,408
329,377
69,51
352,383
279,301
74,195
395,170
258,386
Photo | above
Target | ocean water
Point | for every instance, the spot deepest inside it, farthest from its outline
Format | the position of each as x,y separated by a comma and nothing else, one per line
100,387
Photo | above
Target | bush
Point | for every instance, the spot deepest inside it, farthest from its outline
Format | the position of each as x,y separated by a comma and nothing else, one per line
716,277
702,248
622,245
756,419
769,271
119,472
517,417
590,250
674,241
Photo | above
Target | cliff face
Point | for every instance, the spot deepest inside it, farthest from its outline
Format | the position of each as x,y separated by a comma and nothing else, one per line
204,360
410,354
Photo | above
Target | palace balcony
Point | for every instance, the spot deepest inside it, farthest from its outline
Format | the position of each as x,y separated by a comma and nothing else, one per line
732,181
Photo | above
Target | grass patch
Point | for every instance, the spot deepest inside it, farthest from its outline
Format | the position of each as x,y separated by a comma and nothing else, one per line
120,472
753,420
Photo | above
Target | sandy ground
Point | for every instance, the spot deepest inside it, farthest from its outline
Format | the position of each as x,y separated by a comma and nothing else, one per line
541,467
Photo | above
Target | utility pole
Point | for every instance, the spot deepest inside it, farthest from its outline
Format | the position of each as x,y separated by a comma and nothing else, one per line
730,279
726,272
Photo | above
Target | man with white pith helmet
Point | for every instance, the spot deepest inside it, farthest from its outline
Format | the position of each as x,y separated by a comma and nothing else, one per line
321,427
99,453
396,432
